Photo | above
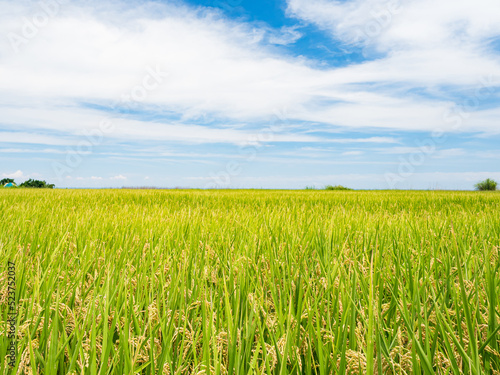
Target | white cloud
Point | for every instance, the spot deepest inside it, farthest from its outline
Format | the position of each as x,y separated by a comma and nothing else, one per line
286,35
16,174
227,70
119,177
390,25
365,140
352,153
75,121
214,65
449,153
426,42
488,154
30,151
403,150
428,150
30,137
95,178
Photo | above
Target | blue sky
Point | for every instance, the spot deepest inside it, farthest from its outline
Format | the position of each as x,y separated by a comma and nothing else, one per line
372,94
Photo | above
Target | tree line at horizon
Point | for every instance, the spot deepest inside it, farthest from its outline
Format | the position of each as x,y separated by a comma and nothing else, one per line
486,185
31,183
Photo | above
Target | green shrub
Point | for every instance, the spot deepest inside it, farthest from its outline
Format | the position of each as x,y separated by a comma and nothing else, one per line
37,184
6,181
336,187
486,185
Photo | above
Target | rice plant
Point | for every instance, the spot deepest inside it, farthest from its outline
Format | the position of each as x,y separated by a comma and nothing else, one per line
251,282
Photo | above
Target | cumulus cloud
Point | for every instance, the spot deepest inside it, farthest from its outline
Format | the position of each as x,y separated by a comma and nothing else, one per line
119,177
16,174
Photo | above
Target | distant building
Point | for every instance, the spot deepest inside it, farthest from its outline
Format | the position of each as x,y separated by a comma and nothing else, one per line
10,184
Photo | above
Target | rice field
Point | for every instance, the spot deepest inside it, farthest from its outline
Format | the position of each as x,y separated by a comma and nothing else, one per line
251,282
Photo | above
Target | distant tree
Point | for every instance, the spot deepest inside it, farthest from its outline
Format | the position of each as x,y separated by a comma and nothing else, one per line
6,181
486,185
337,187
36,184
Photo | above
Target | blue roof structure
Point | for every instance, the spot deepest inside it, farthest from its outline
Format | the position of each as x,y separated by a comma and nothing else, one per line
10,184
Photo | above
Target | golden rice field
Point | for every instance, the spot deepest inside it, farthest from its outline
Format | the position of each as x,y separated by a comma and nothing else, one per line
251,282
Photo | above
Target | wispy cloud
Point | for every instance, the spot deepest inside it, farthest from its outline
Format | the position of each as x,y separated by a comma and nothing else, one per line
352,153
